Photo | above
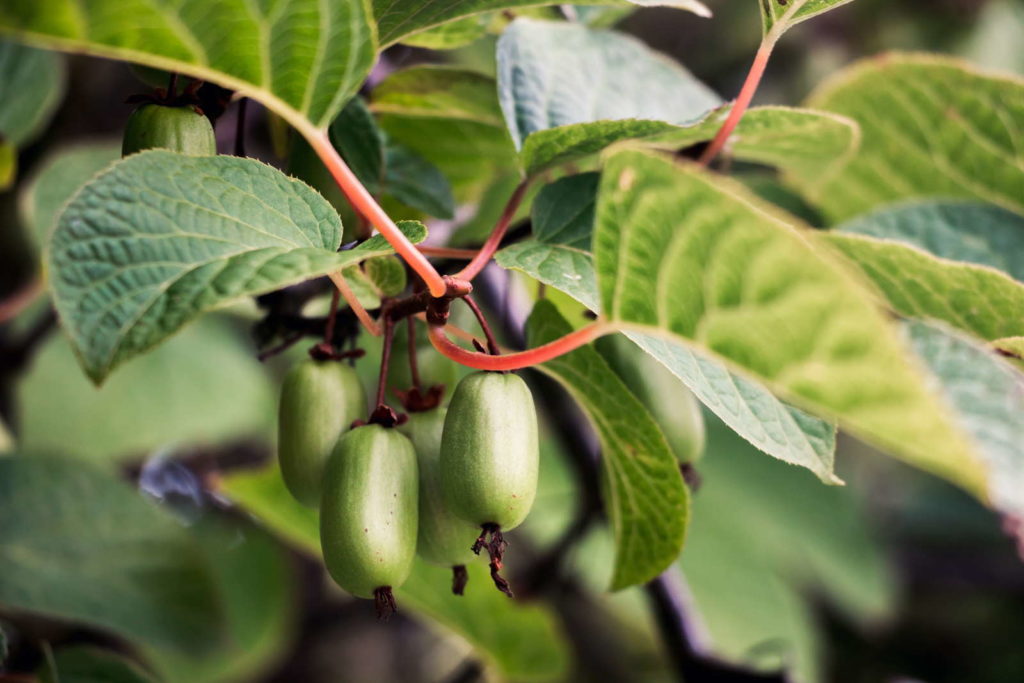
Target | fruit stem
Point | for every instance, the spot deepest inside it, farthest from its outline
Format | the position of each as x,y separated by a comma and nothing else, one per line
414,366
385,359
742,102
331,316
521,359
367,206
492,344
483,256
353,302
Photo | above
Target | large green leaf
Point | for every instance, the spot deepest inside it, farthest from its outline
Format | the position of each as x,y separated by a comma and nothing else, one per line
256,581
694,260
979,299
437,91
399,18
58,178
782,14
31,85
554,74
520,640
301,58
77,544
932,127
161,237
959,231
775,427
88,664
987,396
645,498
202,387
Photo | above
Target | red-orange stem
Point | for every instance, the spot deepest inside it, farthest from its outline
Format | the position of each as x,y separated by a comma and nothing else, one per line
483,256
367,206
742,103
447,252
521,359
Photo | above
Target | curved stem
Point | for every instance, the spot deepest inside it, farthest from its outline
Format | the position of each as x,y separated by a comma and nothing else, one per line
492,343
742,103
20,300
483,256
521,359
367,206
448,252
353,302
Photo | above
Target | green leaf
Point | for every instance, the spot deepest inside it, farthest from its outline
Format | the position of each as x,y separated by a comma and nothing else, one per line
88,664
360,142
437,91
1011,347
563,211
553,74
397,19
160,237
779,429
202,387
521,640
303,59
932,127
978,299
780,15
31,87
452,34
78,544
8,164
694,260
646,500
417,183
58,178
256,581
959,231
987,395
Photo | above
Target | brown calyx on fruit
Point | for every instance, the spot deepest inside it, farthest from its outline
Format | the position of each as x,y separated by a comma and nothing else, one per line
460,577
384,601
496,546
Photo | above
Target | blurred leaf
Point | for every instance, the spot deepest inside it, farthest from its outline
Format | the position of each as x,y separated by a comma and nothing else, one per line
555,74
563,211
86,664
56,181
781,15
436,91
1012,347
932,126
452,34
159,238
520,640
568,269
302,64
8,164
987,395
689,257
959,231
978,299
31,87
256,582
202,387
78,544
399,18
361,144
646,502
6,439
417,183
995,42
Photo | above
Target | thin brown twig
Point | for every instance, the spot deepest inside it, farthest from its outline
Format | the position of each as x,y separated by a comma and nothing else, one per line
414,368
492,344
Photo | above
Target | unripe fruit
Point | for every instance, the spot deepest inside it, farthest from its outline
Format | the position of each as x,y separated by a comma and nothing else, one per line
319,400
179,129
368,512
489,450
671,404
444,539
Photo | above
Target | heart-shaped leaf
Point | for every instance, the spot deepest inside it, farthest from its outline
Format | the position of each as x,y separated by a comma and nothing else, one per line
694,260
161,237
932,127
303,59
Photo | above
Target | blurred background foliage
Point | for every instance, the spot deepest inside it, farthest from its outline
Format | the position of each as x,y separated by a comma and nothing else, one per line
894,576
